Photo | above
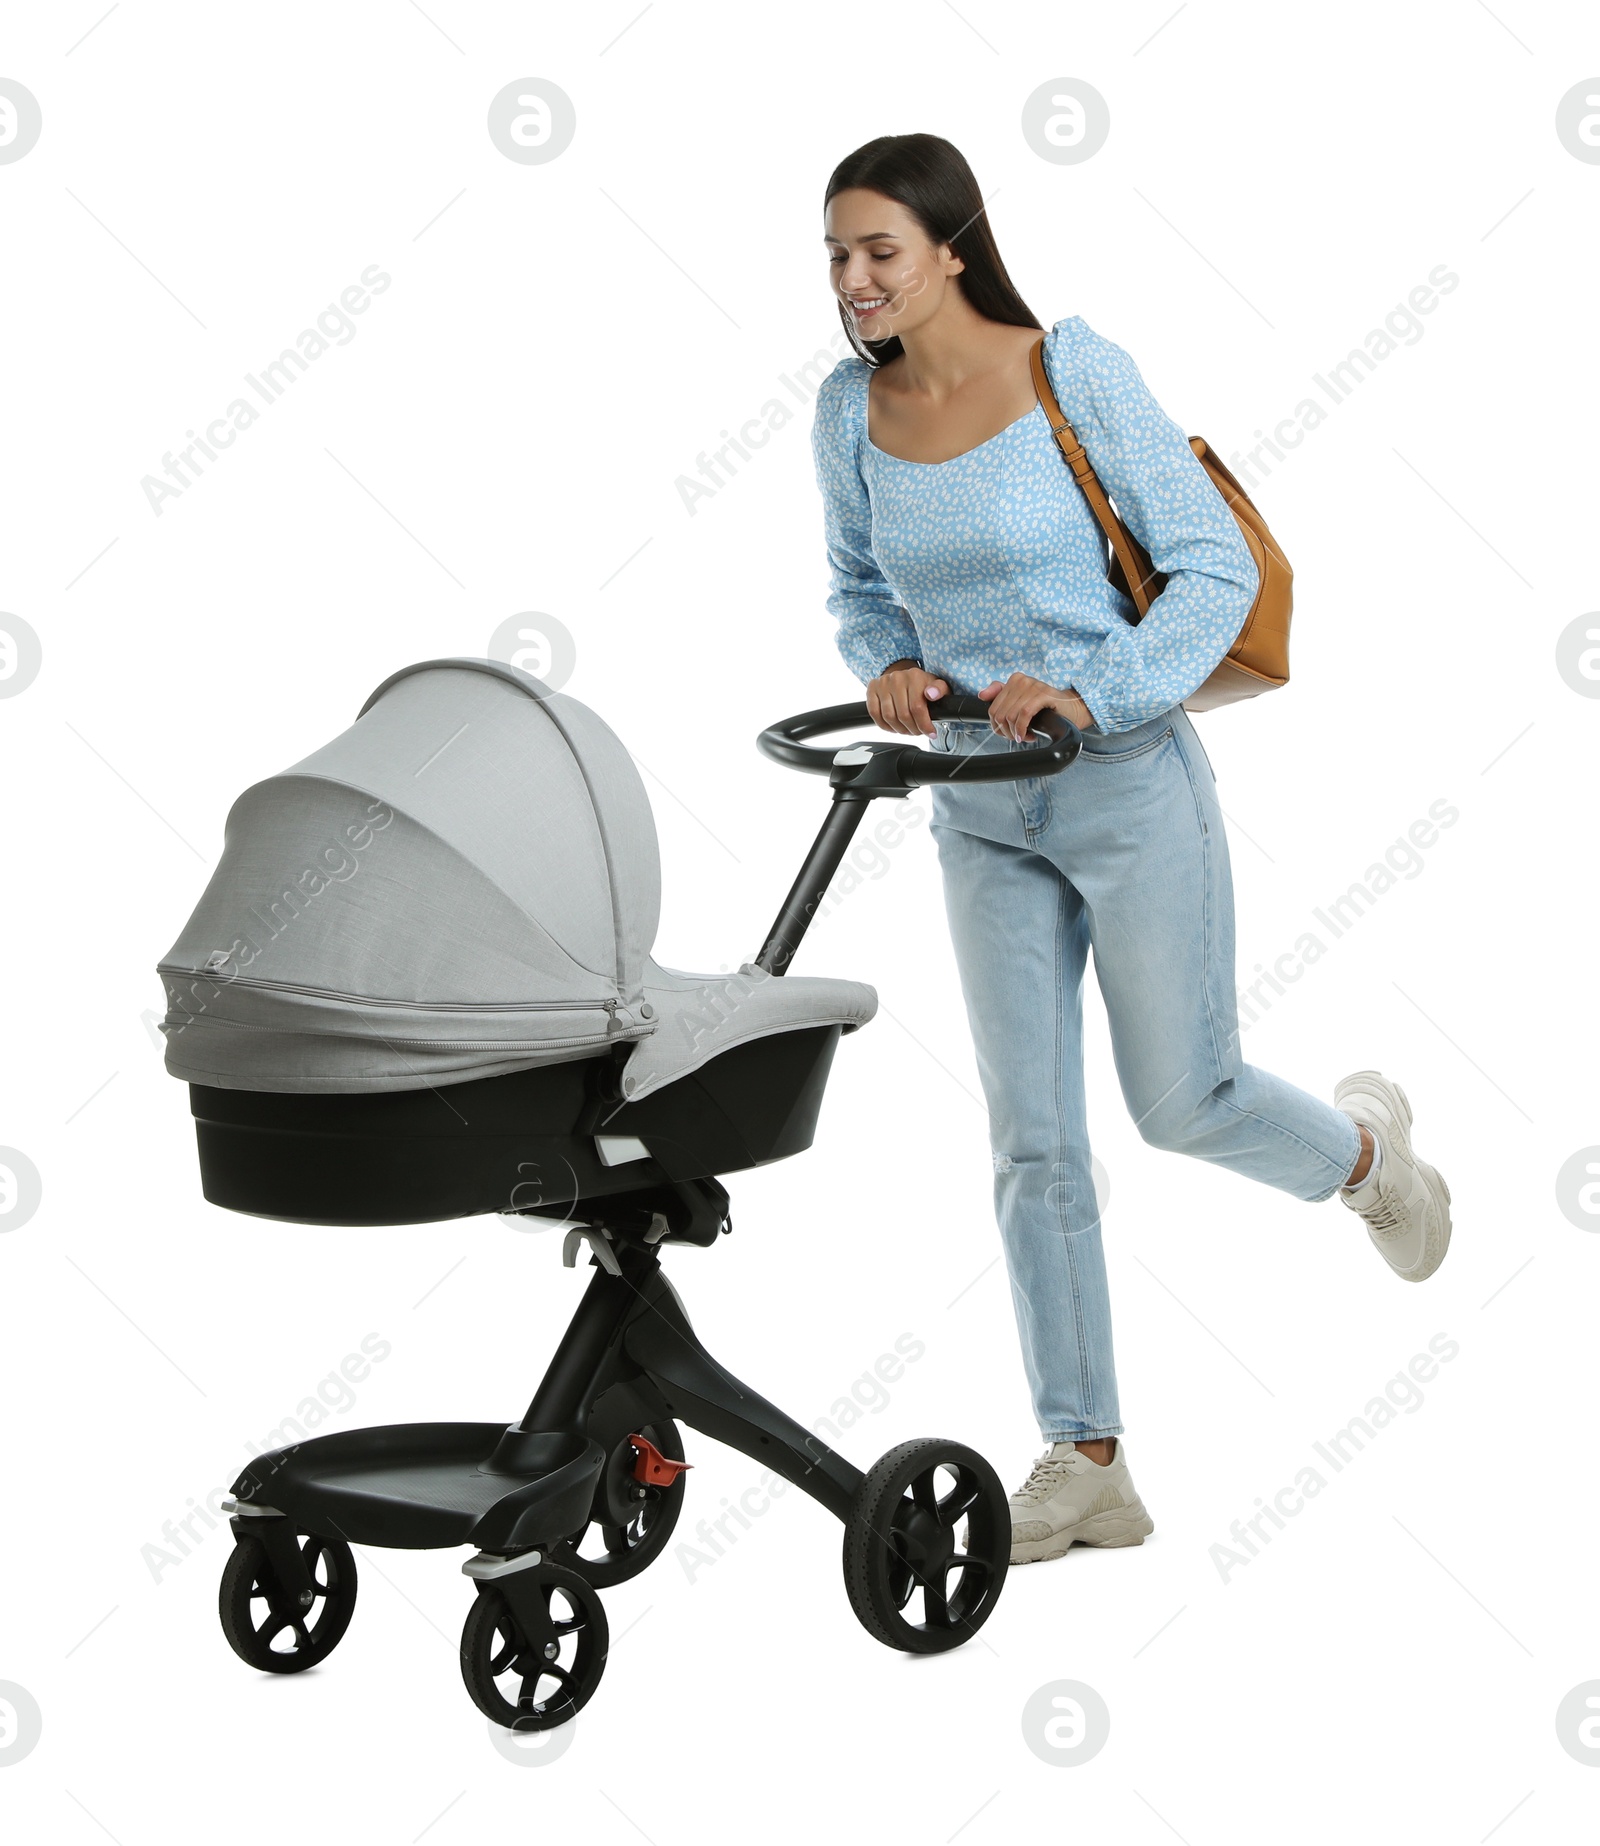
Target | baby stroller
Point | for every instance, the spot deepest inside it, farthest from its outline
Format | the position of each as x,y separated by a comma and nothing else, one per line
419,987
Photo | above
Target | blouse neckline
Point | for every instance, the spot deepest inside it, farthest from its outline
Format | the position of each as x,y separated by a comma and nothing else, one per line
950,460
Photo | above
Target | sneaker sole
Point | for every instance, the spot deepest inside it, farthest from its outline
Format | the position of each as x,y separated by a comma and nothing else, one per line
1438,1240
1434,1246
1123,1525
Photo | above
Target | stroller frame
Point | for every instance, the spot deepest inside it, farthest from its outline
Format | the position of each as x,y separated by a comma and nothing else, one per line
597,1446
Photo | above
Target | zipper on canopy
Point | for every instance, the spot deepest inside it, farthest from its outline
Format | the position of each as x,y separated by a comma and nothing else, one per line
416,1006
433,1044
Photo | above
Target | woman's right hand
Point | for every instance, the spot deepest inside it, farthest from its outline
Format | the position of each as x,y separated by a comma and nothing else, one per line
899,697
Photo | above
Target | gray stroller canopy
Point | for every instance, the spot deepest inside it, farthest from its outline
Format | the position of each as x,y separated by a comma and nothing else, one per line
464,882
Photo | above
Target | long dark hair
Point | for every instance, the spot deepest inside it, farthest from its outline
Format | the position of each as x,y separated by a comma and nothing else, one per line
931,179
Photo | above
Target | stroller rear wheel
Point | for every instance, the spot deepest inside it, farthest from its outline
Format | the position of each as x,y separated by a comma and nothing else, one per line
268,1629
532,1667
629,1522
901,1543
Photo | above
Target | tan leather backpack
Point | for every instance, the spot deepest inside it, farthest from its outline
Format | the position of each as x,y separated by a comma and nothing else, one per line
1258,661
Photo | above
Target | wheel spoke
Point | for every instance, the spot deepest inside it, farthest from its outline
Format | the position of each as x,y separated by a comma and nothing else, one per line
502,1649
924,1491
902,1576
541,1629
974,1585
958,1501
544,1669
322,1567
935,1602
947,1607
970,1560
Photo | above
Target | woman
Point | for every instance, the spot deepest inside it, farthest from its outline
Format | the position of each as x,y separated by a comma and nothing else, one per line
964,558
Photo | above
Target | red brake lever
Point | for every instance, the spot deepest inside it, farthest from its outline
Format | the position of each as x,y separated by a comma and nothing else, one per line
652,1467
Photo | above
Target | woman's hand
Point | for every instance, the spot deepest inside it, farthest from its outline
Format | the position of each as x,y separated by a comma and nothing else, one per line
1015,704
899,697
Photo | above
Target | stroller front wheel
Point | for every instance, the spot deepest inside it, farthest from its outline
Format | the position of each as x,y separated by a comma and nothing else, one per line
901,1545
532,1666
270,1630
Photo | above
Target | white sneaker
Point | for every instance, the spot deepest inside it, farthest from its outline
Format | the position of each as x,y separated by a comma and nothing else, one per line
1069,1500
1404,1202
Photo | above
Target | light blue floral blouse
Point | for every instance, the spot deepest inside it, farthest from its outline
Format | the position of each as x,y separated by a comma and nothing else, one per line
993,563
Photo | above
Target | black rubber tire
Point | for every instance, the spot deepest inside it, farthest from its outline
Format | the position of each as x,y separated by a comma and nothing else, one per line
492,1645
247,1578
899,1543
628,1549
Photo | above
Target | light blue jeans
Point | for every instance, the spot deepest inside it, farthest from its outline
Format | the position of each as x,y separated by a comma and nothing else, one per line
1124,852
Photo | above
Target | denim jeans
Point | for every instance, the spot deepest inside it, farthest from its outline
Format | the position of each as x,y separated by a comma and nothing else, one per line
1123,851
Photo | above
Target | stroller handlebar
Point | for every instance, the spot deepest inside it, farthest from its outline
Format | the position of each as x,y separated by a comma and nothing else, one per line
864,771
880,768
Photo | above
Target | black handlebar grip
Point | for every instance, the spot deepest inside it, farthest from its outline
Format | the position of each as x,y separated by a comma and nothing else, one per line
1063,740
914,768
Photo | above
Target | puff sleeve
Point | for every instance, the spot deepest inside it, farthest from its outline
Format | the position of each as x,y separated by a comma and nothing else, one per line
873,626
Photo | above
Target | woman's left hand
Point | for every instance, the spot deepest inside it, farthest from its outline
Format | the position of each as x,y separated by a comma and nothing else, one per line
1014,704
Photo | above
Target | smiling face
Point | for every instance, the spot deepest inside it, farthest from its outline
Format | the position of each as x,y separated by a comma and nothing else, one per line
883,267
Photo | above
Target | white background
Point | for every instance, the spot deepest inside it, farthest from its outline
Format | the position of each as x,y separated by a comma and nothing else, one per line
504,433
